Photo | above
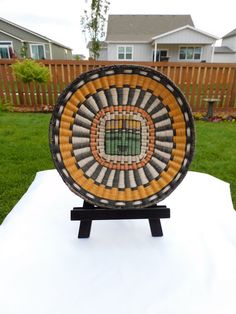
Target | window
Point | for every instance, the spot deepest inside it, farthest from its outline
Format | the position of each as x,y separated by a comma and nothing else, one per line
125,53
6,51
37,51
190,53
160,55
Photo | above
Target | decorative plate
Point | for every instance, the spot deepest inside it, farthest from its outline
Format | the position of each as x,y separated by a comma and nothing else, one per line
122,136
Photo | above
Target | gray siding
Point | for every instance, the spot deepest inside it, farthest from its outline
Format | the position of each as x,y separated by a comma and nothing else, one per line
225,57
102,54
60,53
207,53
17,48
4,37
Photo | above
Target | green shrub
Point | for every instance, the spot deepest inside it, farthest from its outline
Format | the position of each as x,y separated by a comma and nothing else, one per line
29,71
198,115
6,106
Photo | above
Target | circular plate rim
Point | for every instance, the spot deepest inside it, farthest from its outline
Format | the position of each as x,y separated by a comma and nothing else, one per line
122,67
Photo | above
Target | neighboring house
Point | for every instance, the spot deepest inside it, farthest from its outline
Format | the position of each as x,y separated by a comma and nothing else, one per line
227,51
156,37
15,39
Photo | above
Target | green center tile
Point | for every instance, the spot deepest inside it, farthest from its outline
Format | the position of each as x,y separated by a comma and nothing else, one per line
123,142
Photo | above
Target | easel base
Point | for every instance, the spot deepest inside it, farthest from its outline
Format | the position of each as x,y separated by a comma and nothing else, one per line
89,212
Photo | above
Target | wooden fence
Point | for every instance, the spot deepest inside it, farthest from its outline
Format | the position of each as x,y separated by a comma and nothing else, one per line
196,80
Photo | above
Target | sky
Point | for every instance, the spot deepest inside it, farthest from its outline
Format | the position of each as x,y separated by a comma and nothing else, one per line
60,20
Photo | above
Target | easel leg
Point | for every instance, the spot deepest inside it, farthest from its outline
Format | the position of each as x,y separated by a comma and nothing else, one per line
85,228
155,226
89,212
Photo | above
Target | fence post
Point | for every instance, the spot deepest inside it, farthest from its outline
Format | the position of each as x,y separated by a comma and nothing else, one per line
19,89
232,99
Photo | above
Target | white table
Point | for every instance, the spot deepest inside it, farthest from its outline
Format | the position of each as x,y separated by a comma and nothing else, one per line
120,269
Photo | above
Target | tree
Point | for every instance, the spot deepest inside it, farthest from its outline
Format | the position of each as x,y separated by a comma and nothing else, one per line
93,23
29,72
23,51
79,57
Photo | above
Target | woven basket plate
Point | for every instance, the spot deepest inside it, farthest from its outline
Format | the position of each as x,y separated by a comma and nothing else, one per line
122,136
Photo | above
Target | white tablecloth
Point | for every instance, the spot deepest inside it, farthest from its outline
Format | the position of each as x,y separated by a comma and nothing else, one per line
120,269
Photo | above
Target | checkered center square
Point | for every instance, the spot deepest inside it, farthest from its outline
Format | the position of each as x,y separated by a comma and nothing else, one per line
121,137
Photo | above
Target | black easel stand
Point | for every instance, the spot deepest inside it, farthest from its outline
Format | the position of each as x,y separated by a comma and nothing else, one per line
89,212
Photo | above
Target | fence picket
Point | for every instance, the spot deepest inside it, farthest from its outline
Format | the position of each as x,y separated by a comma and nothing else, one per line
5,82
196,80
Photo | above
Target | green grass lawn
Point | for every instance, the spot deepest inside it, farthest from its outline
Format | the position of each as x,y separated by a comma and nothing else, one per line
24,150
216,152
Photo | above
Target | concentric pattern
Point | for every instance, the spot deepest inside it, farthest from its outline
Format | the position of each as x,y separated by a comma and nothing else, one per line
122,136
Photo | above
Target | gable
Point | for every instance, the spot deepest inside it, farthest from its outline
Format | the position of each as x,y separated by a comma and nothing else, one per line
186,35
142,28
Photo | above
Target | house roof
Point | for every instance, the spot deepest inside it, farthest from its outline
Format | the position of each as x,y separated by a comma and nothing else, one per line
31,32
230,34
142,28
223,49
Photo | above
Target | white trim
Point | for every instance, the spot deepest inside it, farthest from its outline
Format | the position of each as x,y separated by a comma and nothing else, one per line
50,51
185,27
1,31
37,44
6,41
213,52
155,51
190,46
125,46
126,42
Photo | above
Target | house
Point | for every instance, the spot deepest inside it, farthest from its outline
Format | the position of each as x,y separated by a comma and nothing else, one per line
227,51
18,41
156,37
